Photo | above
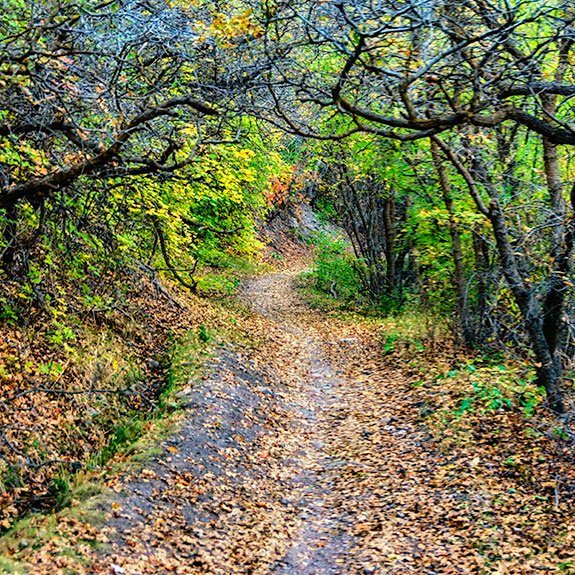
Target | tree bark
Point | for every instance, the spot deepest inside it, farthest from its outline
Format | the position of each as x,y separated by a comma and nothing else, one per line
463,316
548,365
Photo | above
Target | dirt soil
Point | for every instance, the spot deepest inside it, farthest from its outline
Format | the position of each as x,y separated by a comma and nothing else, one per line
306,455
242,487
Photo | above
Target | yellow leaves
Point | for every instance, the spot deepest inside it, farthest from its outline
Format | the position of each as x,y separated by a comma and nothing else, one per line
245,154
230,26
24,158
191,131
181,4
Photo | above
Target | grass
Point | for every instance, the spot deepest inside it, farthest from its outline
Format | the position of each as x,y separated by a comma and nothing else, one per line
185,364
38,530
224,272
9,566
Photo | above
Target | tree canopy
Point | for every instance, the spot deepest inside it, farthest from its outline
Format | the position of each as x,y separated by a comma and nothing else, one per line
153,140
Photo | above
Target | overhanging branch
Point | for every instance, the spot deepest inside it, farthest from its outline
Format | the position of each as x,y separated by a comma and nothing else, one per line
40,187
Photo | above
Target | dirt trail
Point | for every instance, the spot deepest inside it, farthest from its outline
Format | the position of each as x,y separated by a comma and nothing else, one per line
303,453
247,483
322,546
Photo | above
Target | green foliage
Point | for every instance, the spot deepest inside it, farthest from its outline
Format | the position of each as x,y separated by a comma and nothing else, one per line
325,210
126,431
206,214
203,334
340,277
67,248
335,270
494,388
389,343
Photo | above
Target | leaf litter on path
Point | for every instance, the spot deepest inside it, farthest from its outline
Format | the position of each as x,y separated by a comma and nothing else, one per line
307,454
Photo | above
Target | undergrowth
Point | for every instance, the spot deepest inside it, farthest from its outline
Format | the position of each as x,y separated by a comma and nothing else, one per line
85,494
340,279
334,280
86,366
466,382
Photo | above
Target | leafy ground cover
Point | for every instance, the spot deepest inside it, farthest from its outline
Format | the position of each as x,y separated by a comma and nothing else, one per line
324,442
83,380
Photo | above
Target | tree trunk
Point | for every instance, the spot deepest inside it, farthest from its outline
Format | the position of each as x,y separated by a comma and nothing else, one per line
463,316
481,258
548,365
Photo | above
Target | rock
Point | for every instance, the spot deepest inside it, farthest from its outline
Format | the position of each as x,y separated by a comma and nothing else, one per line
183,397
387,420
23,543
318,444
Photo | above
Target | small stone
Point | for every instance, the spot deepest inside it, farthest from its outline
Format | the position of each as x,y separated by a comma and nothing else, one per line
153,364
318,444
369,570
23,543
387,420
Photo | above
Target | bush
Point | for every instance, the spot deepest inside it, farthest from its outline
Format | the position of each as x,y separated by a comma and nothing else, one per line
336,271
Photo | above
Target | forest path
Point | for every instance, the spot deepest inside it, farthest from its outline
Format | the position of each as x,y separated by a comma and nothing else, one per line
321,547
257,478
300,453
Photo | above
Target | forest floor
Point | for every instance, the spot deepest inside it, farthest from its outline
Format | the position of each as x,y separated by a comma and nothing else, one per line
310,452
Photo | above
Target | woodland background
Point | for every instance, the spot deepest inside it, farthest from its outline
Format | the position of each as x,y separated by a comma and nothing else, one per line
145,146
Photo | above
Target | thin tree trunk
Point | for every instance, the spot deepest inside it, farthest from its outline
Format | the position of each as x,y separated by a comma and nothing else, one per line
463,315
548,364
561,237
481,257
390,232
